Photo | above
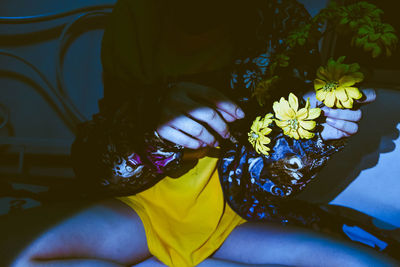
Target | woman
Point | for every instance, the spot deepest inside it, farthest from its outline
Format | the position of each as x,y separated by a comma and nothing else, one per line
165,69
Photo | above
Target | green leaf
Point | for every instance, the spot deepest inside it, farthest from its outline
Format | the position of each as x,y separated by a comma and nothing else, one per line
341,59
354,67
376,51
375,36
370,46
363,31
353,24
360,41
387,41
344,20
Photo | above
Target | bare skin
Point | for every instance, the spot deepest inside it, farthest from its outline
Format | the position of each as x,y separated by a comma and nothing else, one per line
111,234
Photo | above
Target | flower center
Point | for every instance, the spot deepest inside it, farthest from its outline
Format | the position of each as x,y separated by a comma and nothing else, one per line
294,124
254,135
330,86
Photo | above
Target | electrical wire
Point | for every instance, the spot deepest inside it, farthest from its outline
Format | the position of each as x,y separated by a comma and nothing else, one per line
4,114
58,97
51,16
73,117
62,46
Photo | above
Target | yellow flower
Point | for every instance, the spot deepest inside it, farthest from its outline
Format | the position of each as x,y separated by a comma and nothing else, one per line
295,123
263,90
335,83
258,134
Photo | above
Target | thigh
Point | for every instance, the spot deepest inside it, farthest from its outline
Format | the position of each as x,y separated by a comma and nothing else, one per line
108,230
264,243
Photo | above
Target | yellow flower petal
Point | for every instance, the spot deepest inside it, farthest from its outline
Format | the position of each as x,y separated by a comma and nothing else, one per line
281,124
318,84
339,105
341,94
277,110
295,135
266,131
347,80
293,102
305,134
348,103
330,99
353,92
302,114
287,112
287,130
307,103
313,113
321,95
308,125
269,116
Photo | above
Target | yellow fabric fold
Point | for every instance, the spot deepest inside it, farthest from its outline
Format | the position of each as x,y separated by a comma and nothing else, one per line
185,219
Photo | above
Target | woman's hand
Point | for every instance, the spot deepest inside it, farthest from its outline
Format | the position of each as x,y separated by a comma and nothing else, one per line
341,122
193,115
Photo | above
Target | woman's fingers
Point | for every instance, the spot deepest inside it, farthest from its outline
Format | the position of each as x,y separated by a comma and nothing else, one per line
193,129
335,129
369,95
344,126
227,117
217,99
331,133
343,114
341,122
211,118
193,115
177,137
230,108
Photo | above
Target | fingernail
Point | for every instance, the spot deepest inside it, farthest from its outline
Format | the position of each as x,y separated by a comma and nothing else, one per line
216,144
330,121
239,113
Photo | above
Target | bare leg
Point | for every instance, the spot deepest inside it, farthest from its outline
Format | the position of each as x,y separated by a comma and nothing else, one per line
108,233
262,243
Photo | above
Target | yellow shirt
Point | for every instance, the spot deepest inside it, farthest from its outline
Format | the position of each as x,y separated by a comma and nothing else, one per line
185,219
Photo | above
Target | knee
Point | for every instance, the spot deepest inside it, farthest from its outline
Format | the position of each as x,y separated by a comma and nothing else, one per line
320,250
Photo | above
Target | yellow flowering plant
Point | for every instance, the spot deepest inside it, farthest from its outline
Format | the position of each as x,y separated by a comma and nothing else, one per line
295,123
258,135
335,82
